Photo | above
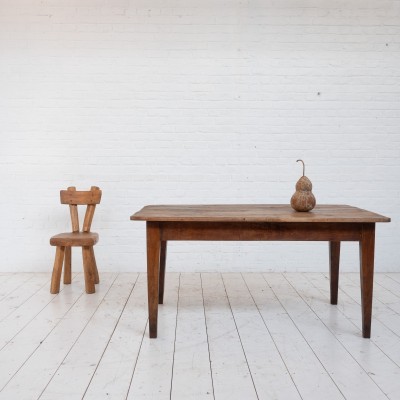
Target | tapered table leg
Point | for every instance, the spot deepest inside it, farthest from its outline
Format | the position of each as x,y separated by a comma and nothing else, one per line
367,251
163,259
153,269
334,256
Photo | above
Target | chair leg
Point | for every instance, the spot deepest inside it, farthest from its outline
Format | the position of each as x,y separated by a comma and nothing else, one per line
96,272
88,270
67,265
56,276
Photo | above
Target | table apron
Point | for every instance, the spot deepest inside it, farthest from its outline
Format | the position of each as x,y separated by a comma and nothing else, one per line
246,231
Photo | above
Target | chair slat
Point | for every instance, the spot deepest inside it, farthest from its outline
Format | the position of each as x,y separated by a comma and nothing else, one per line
84,239
76,197
87,222
73,209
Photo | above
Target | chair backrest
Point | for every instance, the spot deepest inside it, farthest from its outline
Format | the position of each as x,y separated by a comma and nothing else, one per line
74,198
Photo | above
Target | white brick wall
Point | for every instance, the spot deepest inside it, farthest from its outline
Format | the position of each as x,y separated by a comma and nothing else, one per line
165,101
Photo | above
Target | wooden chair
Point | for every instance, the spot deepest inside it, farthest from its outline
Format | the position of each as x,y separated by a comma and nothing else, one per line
76,238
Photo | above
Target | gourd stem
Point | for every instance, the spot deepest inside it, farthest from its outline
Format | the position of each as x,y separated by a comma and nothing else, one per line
304,166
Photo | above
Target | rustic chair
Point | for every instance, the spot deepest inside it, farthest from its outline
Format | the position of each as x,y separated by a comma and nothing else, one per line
76,238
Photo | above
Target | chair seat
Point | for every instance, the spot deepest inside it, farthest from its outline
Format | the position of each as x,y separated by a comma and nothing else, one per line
75,239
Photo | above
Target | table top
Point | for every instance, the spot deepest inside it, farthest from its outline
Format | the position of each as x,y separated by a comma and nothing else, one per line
255,213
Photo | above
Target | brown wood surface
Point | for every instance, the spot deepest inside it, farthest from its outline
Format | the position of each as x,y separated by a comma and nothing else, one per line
96,272
333,223
334,257
73,209
88,270
75,239
367,252
73,196
67,266
249,231
57,268
255,213
153,270
84,239
87,222
163,260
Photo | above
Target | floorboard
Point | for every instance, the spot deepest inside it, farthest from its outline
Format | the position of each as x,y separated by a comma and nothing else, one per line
50,349
191,356
80,363
153,373
382,311
375,363
221,336
114,372
352,381
270,375
231,374
21,294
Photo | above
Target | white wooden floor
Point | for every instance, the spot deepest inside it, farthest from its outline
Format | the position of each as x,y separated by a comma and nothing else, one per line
221,336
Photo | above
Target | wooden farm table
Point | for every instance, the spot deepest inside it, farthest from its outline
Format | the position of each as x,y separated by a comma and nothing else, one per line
332,223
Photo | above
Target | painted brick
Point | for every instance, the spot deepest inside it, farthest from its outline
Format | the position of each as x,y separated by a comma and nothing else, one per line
198,102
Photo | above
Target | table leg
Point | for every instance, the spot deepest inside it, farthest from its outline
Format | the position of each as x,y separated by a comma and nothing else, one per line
367,250
163,259
334,256
153,268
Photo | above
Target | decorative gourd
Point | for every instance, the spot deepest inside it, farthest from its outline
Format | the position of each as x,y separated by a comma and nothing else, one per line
303,199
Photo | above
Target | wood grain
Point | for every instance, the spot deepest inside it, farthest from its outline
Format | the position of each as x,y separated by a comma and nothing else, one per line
88,270
249,231
99,342
56,276
75,239
163,260
333,223
73,209
84,239
153,270
255,213
334,256
67,265
92,196
96,272
367,251
87,222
